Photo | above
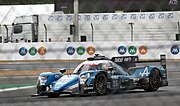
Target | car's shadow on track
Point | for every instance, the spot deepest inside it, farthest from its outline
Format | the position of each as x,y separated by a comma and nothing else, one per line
136,93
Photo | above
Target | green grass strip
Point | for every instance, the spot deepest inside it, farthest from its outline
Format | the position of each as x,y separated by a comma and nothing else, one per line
4,86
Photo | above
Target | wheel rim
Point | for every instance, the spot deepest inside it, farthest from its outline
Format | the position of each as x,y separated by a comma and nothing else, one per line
155,80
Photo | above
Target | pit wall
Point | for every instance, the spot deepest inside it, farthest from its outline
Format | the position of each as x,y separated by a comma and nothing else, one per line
82,50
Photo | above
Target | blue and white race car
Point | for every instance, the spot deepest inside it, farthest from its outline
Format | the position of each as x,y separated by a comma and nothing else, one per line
100,75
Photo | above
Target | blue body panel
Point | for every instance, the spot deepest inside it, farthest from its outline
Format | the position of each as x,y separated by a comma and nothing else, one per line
52,77
65,82
71,83
144,72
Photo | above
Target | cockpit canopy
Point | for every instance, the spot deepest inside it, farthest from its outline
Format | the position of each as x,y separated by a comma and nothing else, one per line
97,65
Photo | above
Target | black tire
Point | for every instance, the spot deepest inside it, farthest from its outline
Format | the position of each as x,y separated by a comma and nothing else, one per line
82,91
100,84
154,81
40,88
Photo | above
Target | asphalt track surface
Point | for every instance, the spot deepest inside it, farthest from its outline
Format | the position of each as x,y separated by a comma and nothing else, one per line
165,96
34,65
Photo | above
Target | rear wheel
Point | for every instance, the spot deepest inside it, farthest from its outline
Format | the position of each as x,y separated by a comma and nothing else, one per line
154,81
100,84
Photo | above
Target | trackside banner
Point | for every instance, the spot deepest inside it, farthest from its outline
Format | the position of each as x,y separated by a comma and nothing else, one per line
82,50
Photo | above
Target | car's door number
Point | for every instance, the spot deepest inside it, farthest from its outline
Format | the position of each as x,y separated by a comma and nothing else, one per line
145,72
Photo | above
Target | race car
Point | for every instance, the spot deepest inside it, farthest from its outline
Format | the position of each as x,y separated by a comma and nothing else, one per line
100,75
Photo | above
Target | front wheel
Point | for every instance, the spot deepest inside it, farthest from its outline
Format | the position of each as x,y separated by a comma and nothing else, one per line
40,88
154,81
100,84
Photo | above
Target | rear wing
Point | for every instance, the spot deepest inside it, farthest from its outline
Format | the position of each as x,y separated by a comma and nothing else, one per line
130,61
126,61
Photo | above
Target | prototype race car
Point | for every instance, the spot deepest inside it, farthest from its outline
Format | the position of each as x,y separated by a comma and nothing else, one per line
100,75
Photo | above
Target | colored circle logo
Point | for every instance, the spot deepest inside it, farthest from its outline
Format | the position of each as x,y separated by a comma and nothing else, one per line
122,50
42,50
22,51
80,50
132,50
143,50
175,49
91,50
70,50
32,51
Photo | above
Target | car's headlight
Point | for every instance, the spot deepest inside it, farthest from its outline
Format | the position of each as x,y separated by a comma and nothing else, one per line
43,79
85,76
164,75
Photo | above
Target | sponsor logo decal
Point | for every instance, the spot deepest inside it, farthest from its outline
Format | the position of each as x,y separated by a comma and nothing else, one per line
70,50
143,50
132,50
32,51
144,73
175,49
42,51
80,50
122,50
91,50
22,51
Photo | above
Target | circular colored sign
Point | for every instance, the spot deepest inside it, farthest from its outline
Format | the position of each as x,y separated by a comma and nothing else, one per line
32,51
143,50
122,50
22,51
175,49
70,50
80,50
91,50
42,50
132,50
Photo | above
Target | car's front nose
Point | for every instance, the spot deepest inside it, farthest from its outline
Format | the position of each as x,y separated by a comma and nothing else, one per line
67,83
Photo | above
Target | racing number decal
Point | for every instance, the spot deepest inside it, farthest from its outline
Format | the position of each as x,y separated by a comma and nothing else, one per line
145,72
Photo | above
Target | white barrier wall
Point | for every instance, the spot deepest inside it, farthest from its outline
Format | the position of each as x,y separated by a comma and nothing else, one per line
82,50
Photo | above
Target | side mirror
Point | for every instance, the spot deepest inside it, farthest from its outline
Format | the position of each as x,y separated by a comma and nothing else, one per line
62,70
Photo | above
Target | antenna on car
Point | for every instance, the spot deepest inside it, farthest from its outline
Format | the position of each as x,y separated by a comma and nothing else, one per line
97,57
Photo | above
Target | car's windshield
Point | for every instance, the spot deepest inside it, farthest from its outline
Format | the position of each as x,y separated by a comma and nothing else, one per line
99,65
87,66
